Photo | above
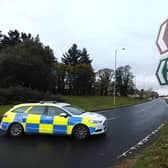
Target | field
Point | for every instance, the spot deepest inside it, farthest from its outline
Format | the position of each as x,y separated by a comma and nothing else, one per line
92,102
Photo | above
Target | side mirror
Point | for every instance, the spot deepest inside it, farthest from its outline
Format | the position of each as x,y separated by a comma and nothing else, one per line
63,115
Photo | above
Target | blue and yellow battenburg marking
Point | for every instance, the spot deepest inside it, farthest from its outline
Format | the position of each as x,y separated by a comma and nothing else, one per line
33,123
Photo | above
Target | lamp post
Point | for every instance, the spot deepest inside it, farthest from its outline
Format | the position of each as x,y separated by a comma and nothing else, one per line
115,66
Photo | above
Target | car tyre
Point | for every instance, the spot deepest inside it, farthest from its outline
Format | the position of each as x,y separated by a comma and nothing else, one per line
15,130
81,132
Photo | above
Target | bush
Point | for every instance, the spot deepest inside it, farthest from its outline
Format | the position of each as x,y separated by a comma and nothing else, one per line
19,94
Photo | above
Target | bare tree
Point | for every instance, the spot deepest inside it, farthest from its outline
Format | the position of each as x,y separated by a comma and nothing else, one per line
104,79
124,80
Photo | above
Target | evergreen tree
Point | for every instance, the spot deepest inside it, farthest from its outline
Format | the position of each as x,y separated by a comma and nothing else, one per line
25,36
84,57
14,37
80,74
27,63
72,56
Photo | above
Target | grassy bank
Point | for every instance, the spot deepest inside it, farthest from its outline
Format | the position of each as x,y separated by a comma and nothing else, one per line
92,102
101,102
155,156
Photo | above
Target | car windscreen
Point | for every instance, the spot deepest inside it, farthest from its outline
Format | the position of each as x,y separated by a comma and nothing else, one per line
74,110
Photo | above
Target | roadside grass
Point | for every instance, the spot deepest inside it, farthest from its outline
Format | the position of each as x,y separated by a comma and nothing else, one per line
155,156
4,108
101,102
166,101
91,103
125,163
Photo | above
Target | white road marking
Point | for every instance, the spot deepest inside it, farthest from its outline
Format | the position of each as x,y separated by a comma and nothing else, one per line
142,110
140,143
113,118
146,109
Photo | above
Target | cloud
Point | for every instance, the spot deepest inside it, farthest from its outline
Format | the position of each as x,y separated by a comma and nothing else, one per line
100,26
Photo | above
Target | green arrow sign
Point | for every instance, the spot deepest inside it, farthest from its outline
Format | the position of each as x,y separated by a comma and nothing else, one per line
162,72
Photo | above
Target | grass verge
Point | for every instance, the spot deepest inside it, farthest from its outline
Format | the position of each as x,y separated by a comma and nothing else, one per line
4,108
91,103
155,156
101,102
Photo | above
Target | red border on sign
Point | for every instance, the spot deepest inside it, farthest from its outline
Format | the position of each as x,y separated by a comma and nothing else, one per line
157,44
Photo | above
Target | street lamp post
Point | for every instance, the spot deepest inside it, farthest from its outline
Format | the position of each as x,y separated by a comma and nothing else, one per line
115,60
115,67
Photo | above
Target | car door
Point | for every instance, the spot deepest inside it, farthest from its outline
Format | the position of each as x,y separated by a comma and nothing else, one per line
60,123
33,119
21,115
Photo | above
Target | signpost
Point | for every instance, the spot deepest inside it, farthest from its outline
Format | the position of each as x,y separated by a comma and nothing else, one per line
162,38
162,72
162,45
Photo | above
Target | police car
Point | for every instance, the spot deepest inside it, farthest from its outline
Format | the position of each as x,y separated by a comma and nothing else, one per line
52,118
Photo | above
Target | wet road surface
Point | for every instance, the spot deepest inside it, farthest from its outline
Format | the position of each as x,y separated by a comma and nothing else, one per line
126,127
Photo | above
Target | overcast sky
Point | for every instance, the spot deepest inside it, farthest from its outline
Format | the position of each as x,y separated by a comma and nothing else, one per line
101,26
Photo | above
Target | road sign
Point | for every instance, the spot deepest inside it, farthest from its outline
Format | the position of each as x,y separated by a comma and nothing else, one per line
162,38
162,72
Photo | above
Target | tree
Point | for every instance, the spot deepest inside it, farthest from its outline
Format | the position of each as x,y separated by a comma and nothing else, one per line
72,56
13,37
28,36
124,80
84,57
142,93
61,77
29,64
155,95
78,69
85,78
105,76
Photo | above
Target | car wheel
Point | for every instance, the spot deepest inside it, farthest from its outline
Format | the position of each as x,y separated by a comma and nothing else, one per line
15,130
80,132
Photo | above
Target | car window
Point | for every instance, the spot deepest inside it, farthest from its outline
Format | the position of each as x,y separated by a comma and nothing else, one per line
21,109
55,111
74,110
37,110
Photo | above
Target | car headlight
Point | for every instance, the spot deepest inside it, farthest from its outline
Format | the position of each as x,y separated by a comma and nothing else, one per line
95,121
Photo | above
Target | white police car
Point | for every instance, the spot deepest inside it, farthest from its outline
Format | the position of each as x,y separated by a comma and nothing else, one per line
52,118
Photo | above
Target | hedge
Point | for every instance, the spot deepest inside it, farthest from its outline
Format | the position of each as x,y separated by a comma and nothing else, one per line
19,94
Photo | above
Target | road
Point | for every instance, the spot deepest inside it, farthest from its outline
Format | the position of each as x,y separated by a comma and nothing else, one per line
127,126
